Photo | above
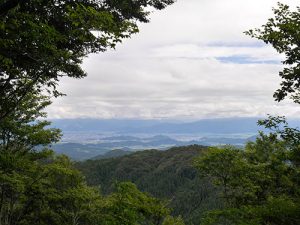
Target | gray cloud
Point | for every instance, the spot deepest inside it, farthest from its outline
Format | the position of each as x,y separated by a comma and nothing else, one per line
173,68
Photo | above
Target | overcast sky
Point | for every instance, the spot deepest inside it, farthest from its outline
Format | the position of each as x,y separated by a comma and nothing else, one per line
191,61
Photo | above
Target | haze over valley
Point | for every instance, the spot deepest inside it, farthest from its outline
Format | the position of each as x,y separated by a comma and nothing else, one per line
88,138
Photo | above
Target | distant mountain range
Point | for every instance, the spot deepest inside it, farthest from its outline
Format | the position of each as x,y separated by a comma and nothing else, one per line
82,151
230,125
88,138
128,126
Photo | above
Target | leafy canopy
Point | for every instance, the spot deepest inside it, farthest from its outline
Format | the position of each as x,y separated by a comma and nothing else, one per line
283,33
44,40
260,184
40,42
37,187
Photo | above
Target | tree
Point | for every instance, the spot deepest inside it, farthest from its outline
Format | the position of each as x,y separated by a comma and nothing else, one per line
269,167
261,181
40,42
38,187
44,40
173,221
127,205
24,130
228,169
282,32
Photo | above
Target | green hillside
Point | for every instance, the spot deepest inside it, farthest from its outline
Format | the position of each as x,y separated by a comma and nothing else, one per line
164,174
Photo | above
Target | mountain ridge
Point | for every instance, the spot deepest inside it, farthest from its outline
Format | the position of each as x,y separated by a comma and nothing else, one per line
220,125
166,174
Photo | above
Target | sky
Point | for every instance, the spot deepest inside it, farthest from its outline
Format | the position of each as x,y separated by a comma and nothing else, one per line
192,61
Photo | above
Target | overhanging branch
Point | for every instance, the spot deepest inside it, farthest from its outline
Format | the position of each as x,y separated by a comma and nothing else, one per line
8,5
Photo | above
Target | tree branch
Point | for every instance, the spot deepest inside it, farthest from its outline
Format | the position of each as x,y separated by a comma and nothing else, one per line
8,5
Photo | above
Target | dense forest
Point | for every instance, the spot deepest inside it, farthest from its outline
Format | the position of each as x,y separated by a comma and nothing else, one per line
255,185
42,41
167,175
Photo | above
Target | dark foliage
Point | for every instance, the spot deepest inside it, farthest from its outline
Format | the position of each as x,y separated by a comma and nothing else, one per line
167,175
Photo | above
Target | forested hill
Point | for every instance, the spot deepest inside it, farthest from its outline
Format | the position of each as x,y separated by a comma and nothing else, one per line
165,174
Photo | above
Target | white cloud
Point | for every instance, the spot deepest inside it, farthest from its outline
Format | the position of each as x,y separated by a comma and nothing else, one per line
171,68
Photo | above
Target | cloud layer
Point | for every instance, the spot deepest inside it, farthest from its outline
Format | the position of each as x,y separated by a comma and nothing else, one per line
191,61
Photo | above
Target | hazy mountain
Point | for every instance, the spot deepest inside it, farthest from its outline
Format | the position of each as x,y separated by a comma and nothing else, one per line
87,138
113,154
220,126
121,138
229,125
100,125
82,151
78,151
127,126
